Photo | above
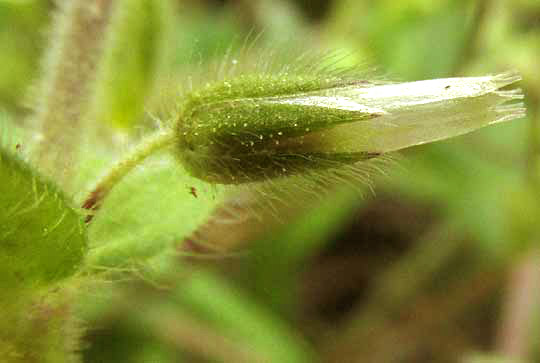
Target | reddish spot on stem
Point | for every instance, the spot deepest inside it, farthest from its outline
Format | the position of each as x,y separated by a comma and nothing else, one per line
92,203
190,245
193,191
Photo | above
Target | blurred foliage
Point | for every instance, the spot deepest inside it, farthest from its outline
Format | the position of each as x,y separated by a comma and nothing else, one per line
138,40
22,25
411,39
422,270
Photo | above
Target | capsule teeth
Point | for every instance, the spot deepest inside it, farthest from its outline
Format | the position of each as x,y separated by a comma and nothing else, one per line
506,78
514,94
510,111
510,107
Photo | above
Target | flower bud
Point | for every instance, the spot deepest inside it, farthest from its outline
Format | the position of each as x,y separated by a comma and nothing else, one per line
257,127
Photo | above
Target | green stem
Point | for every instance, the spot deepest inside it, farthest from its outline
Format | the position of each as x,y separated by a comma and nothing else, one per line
153,144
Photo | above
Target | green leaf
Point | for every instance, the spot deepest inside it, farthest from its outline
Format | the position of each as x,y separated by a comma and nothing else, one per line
42,239
146,214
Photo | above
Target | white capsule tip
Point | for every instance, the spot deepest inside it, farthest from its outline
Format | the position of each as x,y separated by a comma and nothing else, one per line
506,78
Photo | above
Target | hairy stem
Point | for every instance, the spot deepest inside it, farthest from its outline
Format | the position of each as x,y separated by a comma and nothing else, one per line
77,46
153,144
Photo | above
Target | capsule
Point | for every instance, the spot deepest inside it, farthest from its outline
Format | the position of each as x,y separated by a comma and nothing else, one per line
253,128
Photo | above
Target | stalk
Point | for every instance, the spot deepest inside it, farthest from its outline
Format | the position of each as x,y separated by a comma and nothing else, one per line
150,146
75,51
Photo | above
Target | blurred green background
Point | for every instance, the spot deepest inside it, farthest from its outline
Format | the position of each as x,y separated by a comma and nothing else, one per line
438,261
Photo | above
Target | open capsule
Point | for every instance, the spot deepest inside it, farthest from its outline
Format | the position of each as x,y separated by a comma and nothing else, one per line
257,127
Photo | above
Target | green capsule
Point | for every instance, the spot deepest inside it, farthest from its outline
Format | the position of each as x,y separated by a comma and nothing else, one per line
250,129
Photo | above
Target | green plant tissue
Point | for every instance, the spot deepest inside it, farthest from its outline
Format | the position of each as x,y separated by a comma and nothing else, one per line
42,238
